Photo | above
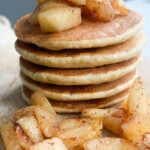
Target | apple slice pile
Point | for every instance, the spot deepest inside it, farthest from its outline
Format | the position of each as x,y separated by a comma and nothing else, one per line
60,15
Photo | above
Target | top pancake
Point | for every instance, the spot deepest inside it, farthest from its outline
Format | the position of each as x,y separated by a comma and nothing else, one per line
87,35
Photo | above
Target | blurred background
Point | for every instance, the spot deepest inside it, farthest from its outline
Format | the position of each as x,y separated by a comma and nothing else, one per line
13,9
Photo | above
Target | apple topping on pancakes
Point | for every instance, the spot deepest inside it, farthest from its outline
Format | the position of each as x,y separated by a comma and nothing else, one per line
106,10
60,15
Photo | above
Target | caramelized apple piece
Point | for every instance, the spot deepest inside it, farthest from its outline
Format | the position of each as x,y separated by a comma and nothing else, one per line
102,10
49,144
44,5
106,10
78,2
59,18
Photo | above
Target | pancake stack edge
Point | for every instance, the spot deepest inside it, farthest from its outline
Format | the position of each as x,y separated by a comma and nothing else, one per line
78,71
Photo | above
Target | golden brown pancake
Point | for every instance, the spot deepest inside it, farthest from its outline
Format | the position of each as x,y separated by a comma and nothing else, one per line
80,93
76,107
87,35
82,58
84,76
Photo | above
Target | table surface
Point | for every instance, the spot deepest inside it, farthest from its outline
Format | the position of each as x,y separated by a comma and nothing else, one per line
10,85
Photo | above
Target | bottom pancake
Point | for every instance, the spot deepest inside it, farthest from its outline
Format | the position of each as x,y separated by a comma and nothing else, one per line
79,106
80,93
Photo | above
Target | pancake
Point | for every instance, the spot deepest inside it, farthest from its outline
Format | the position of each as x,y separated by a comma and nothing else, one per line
86,76
82,58
80,93
76,107
87,35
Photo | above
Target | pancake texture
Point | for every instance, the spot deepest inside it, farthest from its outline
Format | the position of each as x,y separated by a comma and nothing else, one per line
92,65
76,107
87,35
80,93
82,58
84,76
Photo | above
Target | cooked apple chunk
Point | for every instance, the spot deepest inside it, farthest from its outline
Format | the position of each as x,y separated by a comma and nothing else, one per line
78,2
43,5
59,18
101,10
49,144
108,143
7,131
30,127
106,10
75,131
40,1
136,129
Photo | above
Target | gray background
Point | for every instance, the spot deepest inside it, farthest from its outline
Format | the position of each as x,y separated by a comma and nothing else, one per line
13,9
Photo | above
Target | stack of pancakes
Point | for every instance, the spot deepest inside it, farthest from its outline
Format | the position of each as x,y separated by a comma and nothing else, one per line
89,66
